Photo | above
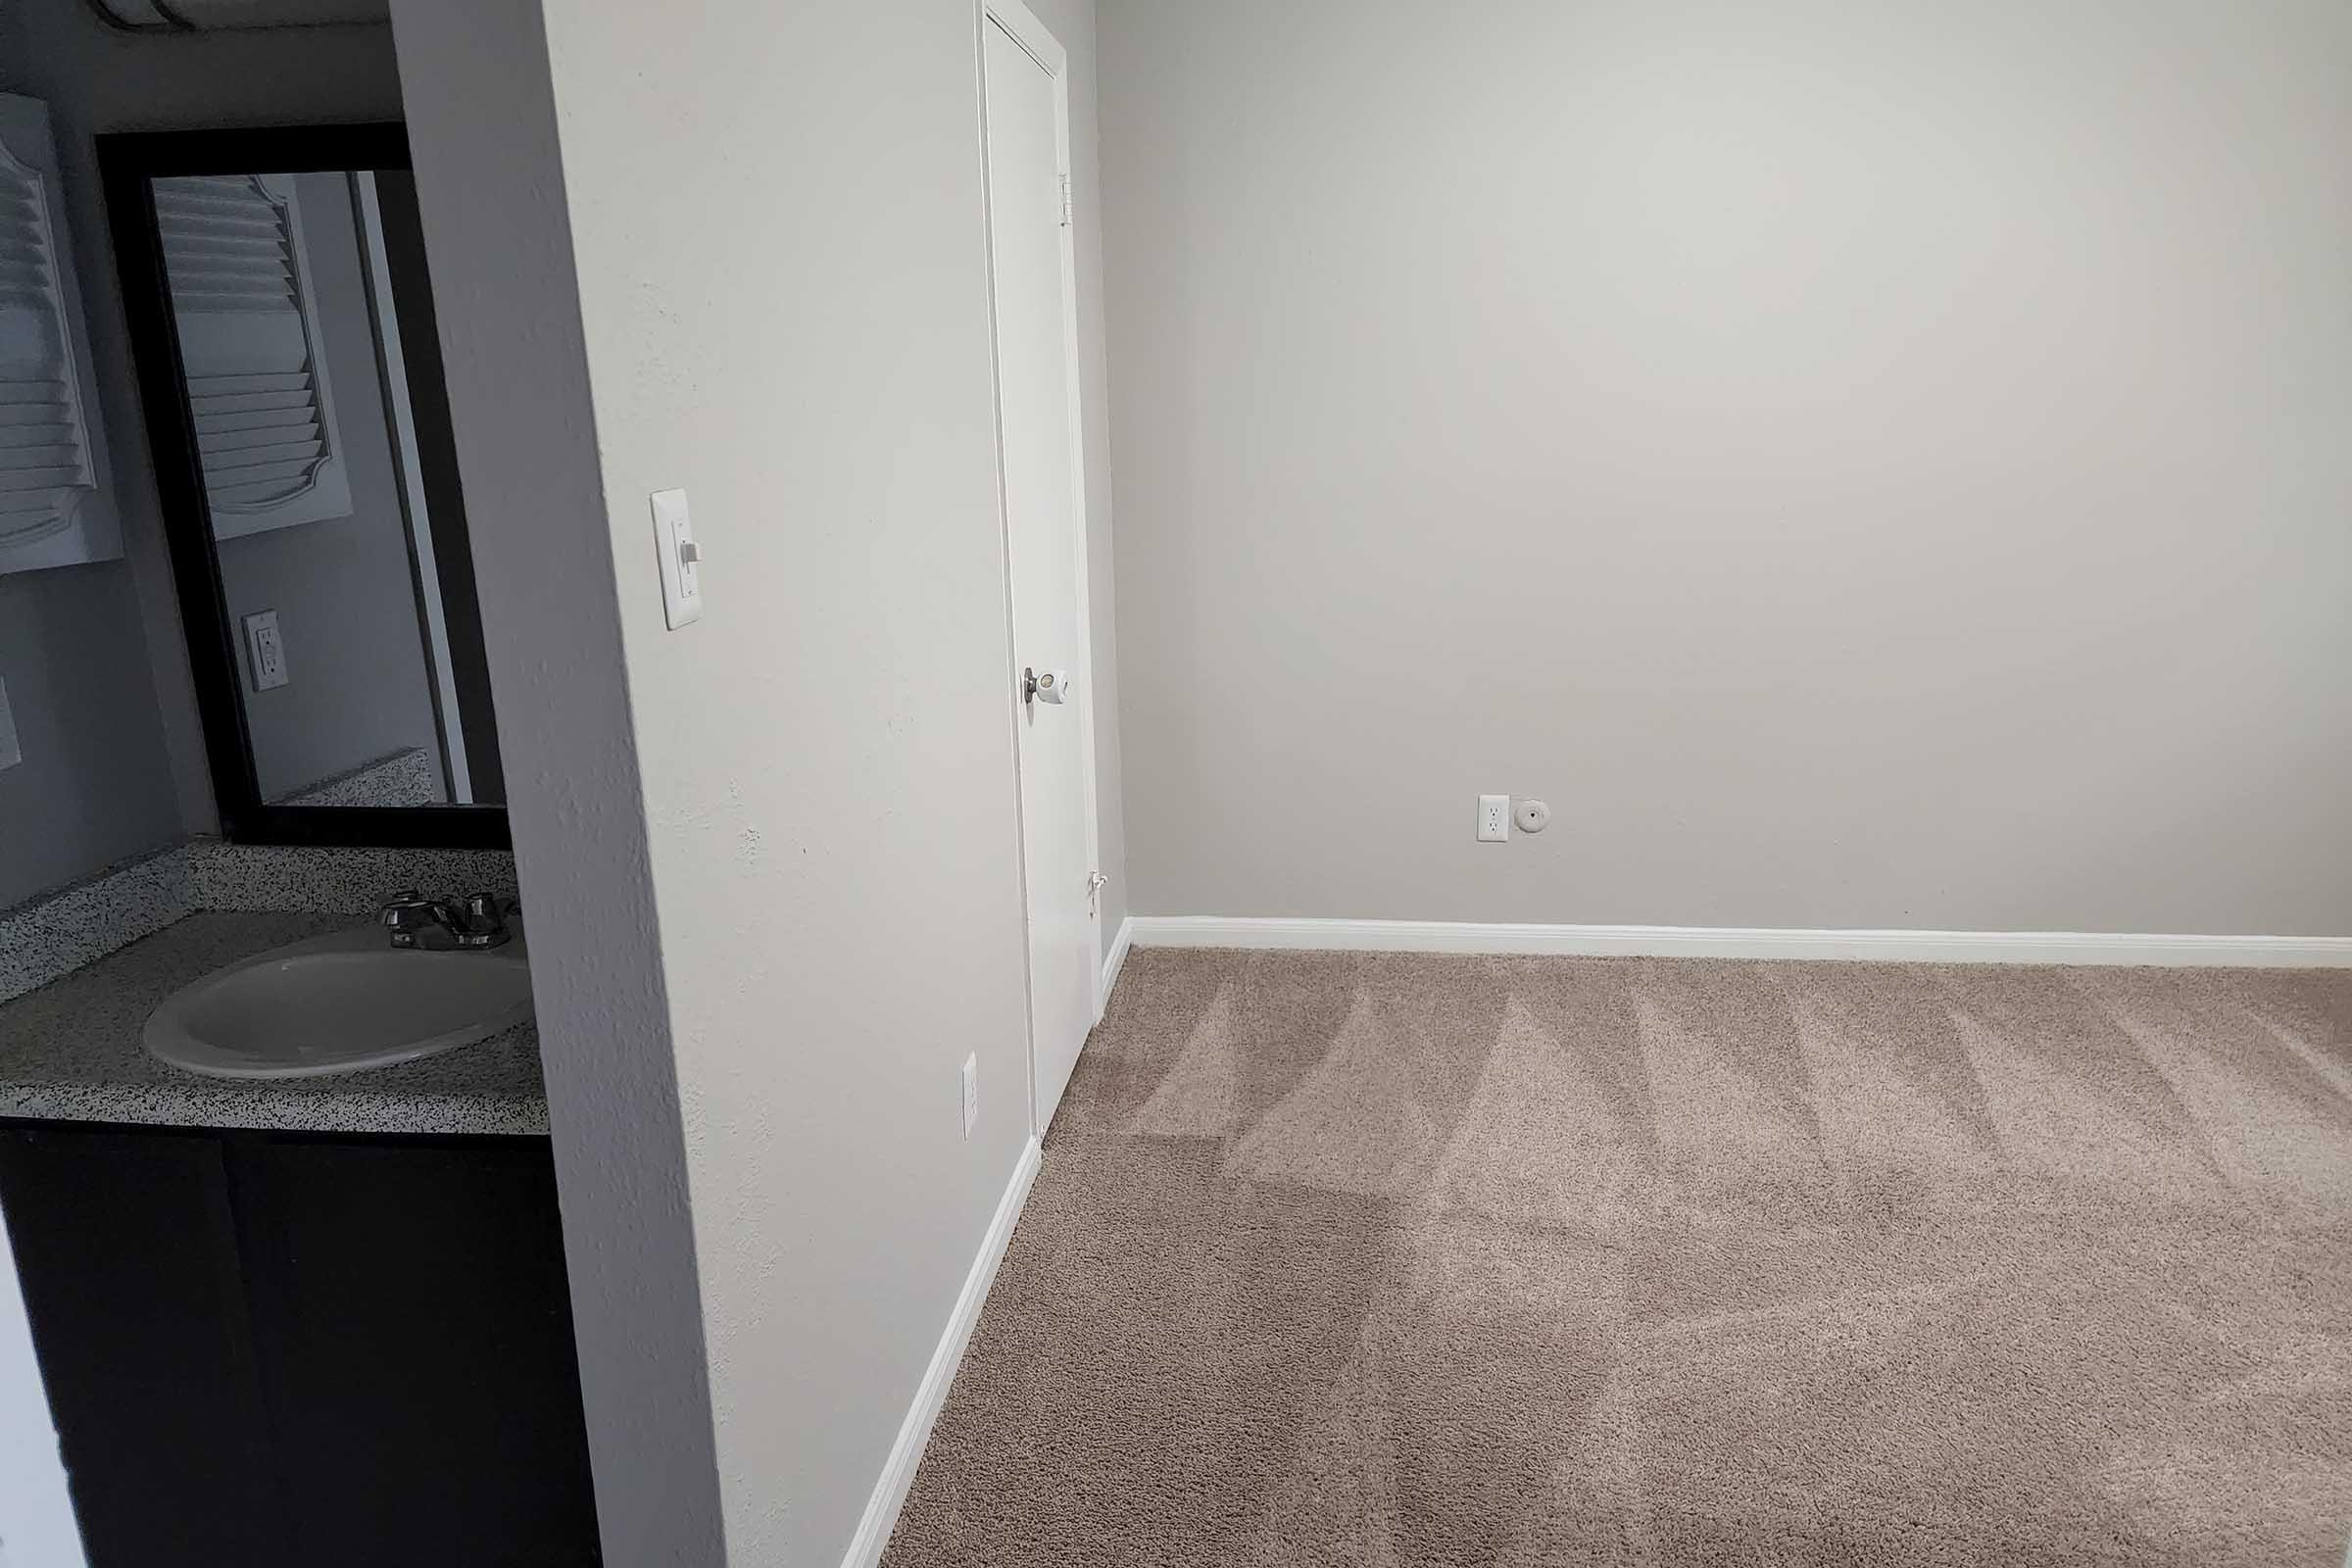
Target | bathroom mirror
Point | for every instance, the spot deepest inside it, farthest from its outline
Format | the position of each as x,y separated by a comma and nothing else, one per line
282,316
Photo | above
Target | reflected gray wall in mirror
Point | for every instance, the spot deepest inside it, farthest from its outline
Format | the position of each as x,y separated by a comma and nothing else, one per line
284,299
291,372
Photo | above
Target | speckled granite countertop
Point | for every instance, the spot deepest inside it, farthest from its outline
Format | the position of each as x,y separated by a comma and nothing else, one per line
70,1052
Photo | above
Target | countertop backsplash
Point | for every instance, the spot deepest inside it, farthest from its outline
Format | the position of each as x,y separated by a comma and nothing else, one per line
51,936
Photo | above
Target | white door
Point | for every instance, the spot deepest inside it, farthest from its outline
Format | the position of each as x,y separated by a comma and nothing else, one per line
1044,532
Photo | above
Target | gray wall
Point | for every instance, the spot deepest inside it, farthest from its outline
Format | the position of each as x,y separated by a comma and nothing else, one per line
1864,464
36,1510
347,604
93,786
778,910
491,195
97,81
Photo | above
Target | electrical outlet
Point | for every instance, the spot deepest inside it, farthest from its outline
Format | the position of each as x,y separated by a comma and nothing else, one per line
267,650
971,1092
11,754
1493,818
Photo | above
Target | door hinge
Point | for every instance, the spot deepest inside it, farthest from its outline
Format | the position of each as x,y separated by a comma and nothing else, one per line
1065,201
1095,882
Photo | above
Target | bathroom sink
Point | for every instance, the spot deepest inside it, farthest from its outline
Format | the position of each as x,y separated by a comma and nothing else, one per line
339,1003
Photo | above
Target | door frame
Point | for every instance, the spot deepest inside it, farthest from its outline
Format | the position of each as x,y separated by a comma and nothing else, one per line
1037,41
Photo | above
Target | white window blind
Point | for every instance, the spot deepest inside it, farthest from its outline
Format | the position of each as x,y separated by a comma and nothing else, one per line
250,343
55,506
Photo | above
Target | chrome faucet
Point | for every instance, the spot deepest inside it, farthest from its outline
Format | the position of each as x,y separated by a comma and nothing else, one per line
440,926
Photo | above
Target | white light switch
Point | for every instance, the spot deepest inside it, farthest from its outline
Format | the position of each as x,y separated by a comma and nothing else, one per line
681,558
267,651
10,752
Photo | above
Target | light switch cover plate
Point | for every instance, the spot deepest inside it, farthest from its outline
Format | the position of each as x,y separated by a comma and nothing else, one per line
680,557
10,752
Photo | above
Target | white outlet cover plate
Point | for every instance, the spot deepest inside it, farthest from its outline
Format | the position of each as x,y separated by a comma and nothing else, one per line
265,651
680,558
1493,818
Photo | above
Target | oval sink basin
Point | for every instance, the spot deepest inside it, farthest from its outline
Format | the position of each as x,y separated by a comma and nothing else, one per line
339,1003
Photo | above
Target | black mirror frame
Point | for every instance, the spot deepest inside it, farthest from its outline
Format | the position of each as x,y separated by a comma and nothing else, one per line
127,163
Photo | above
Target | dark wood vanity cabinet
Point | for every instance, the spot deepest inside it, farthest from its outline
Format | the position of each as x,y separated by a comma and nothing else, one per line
268,1348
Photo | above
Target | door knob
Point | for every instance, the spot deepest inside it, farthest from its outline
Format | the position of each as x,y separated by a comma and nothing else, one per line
1045,686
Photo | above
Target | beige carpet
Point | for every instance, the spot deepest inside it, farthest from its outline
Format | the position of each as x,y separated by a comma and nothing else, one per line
1403,1261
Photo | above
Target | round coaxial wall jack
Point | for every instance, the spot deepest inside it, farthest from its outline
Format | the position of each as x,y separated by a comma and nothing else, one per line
1531,816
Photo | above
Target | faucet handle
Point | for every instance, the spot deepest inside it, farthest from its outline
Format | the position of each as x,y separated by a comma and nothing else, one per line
483,922
405,915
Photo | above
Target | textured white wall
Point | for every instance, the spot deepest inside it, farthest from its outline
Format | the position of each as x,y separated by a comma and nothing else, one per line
772,857
483,130
1870,465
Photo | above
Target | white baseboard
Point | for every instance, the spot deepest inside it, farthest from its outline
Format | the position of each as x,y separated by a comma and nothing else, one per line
1735,942
1112,962
898,1475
